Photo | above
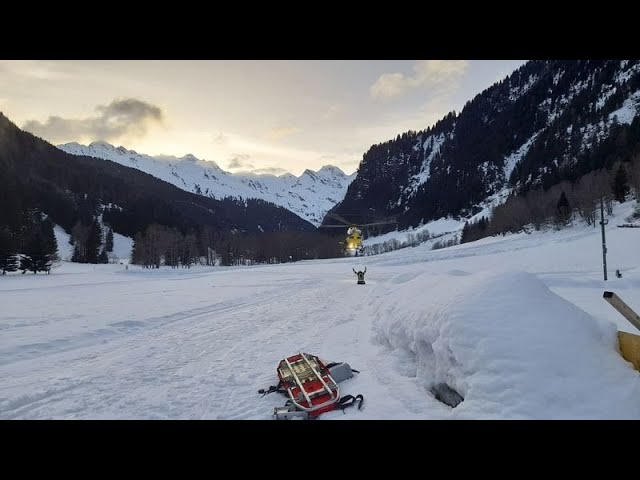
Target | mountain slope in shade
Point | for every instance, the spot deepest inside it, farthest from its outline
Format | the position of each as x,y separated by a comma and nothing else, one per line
35,175
309,196
547,122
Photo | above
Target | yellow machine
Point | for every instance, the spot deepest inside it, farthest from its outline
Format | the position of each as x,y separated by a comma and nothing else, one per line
628,342
353,241
354,238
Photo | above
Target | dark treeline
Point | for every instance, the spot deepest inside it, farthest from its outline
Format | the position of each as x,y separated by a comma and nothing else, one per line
159,245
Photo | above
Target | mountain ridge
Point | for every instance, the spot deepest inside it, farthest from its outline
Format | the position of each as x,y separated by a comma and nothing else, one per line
309,195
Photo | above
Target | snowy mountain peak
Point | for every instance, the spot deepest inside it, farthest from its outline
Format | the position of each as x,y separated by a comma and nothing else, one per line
330,169
309,196
101,143
190,158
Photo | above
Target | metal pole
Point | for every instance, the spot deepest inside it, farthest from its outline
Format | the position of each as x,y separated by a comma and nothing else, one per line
604,243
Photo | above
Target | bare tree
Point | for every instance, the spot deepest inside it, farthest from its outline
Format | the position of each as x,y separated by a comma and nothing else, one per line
634,175
585,196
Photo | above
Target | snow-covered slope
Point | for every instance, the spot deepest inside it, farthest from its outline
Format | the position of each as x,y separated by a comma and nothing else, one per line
309,196
65,249
121,246
515,324
527,131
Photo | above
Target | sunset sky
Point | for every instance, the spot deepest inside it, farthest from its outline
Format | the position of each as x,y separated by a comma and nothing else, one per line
260,116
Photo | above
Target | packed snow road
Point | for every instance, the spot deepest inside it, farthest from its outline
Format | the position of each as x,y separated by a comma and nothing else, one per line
516,325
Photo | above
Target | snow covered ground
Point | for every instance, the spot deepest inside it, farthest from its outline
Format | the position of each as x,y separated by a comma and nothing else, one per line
516,324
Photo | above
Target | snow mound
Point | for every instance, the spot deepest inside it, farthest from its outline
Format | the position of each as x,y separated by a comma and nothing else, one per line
509,346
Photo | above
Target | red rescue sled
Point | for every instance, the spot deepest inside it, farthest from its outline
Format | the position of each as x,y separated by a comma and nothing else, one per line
309,384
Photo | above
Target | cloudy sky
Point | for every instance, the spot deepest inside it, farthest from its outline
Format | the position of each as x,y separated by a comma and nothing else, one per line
262,116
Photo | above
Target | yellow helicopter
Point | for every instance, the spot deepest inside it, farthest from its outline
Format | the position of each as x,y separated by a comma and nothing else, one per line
353,242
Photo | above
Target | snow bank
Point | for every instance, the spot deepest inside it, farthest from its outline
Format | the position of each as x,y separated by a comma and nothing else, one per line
508,345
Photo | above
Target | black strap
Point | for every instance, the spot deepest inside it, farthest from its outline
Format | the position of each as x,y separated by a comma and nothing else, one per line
271,389
350,400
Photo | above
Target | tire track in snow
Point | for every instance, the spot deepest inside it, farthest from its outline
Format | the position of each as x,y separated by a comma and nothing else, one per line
315,333
168,329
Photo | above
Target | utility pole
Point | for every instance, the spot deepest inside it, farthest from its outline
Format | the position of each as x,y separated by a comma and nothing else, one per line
604,243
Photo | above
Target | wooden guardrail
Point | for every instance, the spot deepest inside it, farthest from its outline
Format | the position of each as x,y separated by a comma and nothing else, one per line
629,343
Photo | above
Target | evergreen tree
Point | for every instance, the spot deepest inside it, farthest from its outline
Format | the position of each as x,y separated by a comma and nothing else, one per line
620,187
464,237
40,248
483,223
563,204
103,257
109,240
8,258
79,233
227,256
77,255
93,242
563,209
137,250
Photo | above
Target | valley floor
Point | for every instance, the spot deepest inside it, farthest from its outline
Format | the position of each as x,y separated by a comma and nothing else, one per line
516,324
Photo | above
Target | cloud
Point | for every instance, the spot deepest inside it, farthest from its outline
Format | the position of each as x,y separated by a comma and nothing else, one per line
333,111
270,171
220,139
278,133
438,74
389,85
240,161
123,118
34,69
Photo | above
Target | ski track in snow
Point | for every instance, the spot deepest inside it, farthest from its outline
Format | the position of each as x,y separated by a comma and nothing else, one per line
97,343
